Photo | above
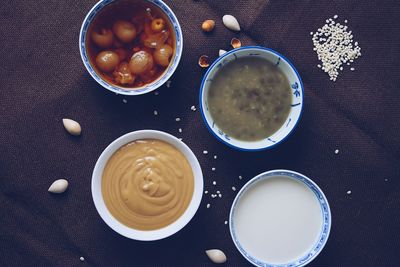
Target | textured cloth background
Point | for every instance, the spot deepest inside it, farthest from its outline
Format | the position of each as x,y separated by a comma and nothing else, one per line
43,80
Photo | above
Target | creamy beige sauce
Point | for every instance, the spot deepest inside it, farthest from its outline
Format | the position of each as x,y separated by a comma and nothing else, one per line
147,184
249,98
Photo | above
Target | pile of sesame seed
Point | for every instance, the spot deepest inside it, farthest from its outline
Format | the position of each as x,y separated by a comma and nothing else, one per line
333,44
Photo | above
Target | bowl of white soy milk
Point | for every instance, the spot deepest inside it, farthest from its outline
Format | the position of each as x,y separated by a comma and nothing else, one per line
280,218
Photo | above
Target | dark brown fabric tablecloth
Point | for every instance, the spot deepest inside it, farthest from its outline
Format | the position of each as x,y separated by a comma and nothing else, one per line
43,80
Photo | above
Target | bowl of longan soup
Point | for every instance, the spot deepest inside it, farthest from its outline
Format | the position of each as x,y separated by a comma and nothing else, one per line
131,47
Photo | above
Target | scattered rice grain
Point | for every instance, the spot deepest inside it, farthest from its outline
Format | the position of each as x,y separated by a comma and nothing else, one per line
82,259
335,48
155,112
214,183
205,152
208,205
233,188
349,192
177,119
337,151
124,100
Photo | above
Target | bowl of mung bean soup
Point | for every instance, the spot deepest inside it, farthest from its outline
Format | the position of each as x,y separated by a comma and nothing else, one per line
251,98
131,47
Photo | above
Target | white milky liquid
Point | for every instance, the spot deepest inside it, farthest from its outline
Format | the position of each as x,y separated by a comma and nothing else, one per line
278,220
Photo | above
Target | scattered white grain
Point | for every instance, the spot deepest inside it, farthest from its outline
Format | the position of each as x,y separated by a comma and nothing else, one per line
215,156
226,222
319,66
311,33
214,183
349,192
156,93
177,119
386,179
333,44
193,108
205,152
206,192
208,205
82,259
213,168
337,151
213,196
155,112
233,188
352,69
124,100
168,84
345,21
240,177
218,192
180,130
220,195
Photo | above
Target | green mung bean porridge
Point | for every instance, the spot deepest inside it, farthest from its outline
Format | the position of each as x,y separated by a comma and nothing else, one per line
249,98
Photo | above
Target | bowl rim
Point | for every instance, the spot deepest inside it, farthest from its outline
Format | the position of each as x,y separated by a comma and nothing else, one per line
144,235
326,214
201,96
169,71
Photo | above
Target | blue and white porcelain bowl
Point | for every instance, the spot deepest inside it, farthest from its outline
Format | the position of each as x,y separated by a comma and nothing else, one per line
296,106
148,87
279,206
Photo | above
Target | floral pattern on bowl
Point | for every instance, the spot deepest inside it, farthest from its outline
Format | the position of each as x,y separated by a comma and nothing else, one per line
148,87
325,213
297,100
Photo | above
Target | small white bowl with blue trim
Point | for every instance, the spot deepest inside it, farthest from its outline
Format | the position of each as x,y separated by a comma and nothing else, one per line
296,106
280,218
148,87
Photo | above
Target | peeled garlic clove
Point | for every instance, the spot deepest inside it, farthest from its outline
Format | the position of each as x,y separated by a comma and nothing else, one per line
204,61
221,52
72,127
231,23
216,255
208,25
236,43
58,186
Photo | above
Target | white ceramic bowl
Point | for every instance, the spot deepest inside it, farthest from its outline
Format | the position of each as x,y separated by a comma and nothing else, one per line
148,87
320,204
297,100
153,234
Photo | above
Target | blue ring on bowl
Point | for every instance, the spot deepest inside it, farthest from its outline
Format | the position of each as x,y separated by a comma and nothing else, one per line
148,87
325,210
218,60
